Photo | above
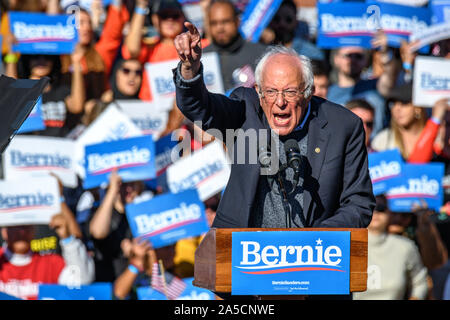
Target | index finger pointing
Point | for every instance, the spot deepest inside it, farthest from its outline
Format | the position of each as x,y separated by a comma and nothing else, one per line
191,28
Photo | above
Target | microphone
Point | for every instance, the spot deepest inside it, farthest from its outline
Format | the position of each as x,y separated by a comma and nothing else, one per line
293,158
293,155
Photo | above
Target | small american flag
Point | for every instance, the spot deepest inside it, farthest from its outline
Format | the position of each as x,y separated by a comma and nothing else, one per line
167,283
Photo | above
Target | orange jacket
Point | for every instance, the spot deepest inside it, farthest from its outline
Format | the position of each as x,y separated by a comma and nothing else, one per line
423,150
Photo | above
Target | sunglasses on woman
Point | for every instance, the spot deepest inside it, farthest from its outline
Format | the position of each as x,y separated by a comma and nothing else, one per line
128,71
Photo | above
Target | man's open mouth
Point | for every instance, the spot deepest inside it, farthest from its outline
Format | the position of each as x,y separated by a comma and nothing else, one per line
281,119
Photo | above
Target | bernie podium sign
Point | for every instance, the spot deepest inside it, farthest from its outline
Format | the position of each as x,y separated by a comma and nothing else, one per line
290,263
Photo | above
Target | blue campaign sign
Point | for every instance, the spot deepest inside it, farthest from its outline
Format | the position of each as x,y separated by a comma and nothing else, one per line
165,154
190,293
256,17
39,33
35,121
167,218
384,167
353,24
418,182
440,10
343,24
134,158
95,291
4,296
290,263
399,21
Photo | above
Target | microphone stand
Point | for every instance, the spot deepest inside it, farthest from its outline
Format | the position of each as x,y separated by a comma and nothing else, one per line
287,208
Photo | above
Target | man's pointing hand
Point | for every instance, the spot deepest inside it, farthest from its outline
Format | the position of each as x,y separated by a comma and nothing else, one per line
189,48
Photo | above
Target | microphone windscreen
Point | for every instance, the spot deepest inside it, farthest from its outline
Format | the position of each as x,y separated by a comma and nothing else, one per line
291,145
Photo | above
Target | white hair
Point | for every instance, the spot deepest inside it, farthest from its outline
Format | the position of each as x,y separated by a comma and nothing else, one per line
305,62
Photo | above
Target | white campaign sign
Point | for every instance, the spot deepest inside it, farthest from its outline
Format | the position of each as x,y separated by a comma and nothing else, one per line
150,118
433,33
431,80
36,156
112,124
206,170
161,78
35,201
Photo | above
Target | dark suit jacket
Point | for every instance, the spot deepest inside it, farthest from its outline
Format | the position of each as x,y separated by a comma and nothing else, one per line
338,189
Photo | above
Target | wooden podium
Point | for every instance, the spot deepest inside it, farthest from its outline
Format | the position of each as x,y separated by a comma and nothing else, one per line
212,268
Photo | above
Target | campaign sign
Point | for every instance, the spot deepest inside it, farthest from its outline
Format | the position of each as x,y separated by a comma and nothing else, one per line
39,33
440,11
37,156
433,33
167,152
290,263
399,22
383,168
344,24
167,218
190,293
95,291
35,121
417,183
84,4
256,17
353,24
32,202
112,124
431,81
134,159
161,78
4,296
150,117
206,170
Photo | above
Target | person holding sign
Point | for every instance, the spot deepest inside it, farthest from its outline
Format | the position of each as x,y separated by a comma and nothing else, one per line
144,267
167,17
21,270
109,229
335,188
411,131
61,104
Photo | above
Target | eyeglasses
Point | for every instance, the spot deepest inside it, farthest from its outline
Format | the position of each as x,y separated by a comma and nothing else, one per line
129,71
288,94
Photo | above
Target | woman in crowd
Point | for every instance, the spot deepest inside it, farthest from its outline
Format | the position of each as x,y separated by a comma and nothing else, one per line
108,227
411,131
91,63
62,105
126,81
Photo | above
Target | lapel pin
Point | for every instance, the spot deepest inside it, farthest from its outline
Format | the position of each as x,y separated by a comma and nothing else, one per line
317,150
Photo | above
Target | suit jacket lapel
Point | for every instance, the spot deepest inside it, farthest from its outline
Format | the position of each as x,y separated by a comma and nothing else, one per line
318,137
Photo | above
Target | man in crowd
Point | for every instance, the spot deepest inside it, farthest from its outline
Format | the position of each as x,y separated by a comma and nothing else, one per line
284,25
237,56
349,63
332,187
365,111
321,82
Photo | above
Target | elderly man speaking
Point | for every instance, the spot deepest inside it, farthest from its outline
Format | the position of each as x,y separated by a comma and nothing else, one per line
322,177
